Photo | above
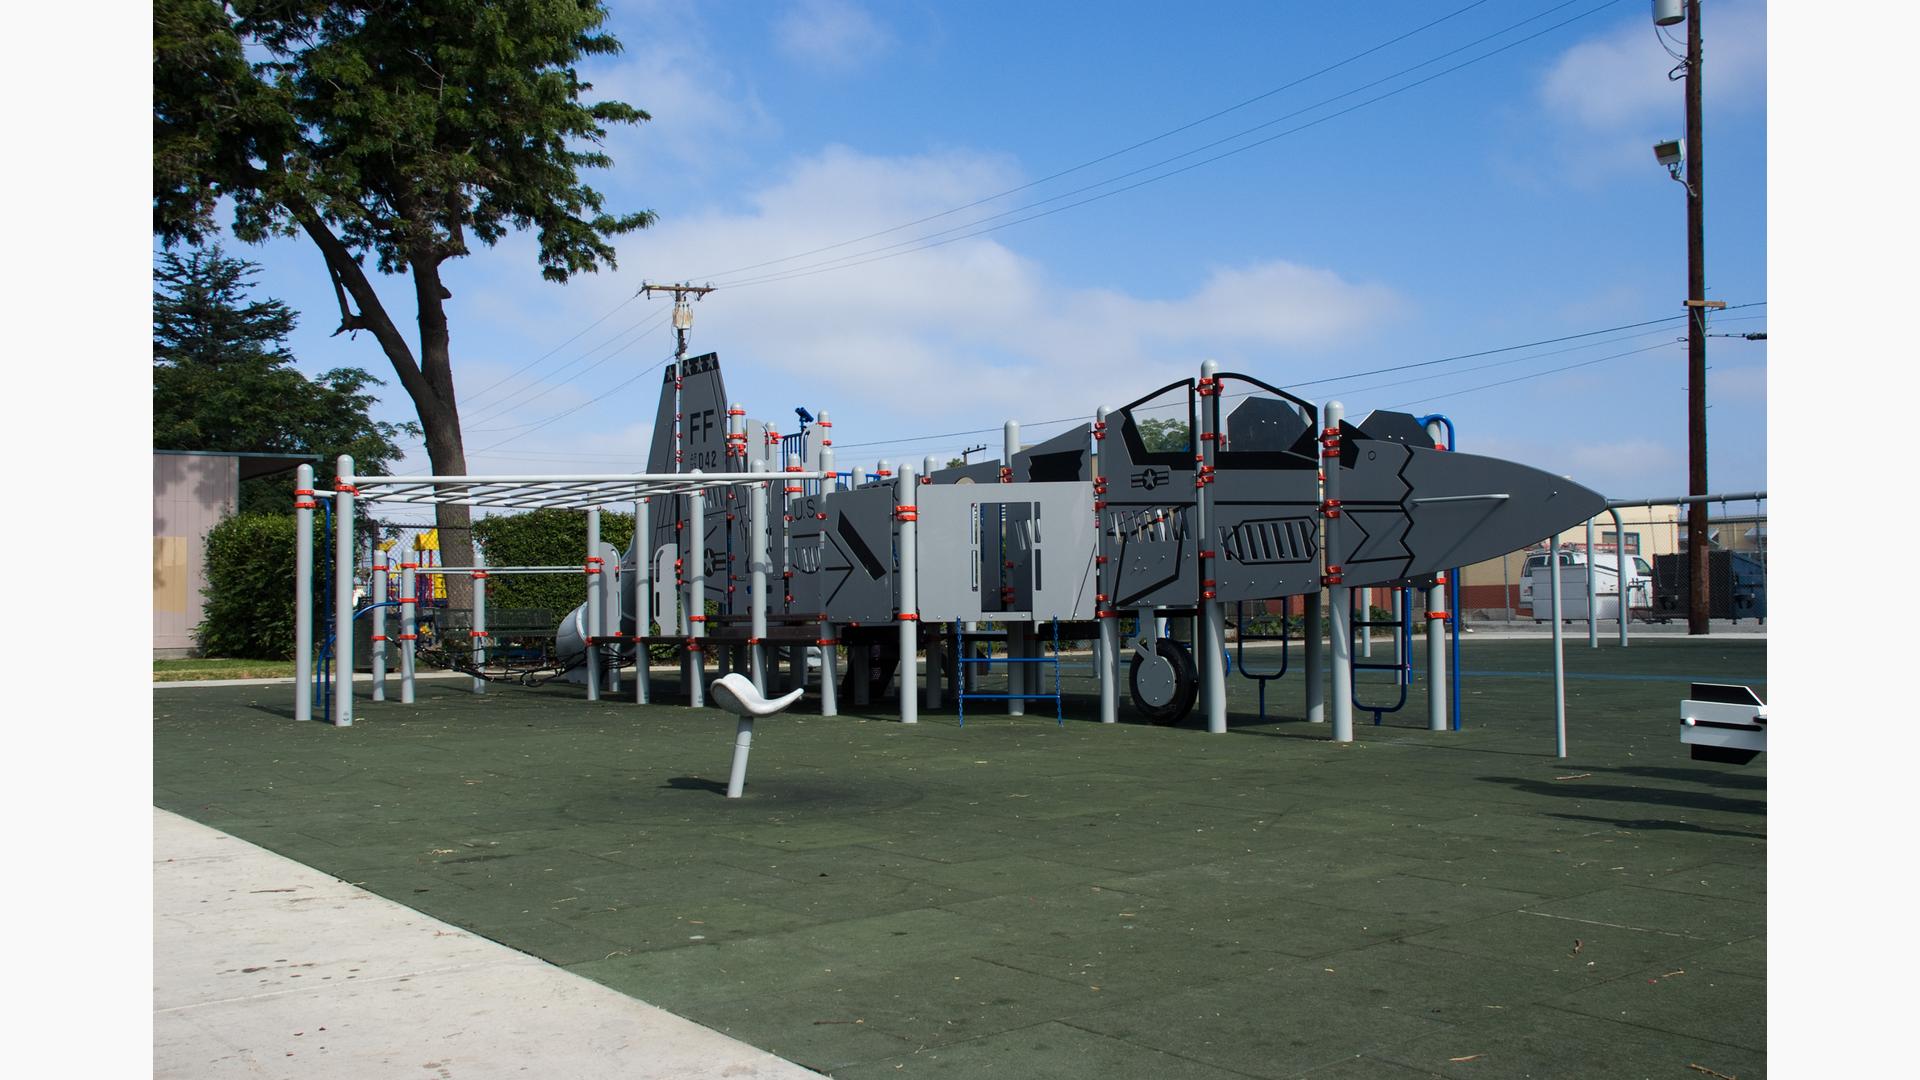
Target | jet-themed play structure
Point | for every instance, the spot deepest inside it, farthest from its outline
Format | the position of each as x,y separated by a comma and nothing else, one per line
754,551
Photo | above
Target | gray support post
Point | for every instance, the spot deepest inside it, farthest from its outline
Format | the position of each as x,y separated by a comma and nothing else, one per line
1437,632
742,746
593,569
642,599
1109,619
1366,623
757,582
936,642
1213,614
1315,660
377,639
343,592
1559,656
303,508
829,650
1506,590
1593,592
1620,564
479,631
409,622
695,555
906,496
1339,597
610,615
1016,632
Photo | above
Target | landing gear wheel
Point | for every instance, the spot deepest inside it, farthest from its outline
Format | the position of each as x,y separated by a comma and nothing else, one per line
1165,686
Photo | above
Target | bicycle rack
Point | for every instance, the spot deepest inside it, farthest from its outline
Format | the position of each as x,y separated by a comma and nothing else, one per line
1240,645
1402,666
961,694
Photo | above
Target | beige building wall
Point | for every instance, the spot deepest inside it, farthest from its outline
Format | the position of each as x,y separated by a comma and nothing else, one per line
191,493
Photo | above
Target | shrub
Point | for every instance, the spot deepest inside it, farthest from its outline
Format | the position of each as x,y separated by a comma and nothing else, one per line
249,610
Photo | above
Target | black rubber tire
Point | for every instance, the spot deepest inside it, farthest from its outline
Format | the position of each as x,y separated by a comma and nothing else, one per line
1186,684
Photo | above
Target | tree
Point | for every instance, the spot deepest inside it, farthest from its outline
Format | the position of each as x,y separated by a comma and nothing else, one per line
401,131
1162,436
223,379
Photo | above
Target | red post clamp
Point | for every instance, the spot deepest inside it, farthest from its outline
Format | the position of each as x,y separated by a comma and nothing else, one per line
1330,508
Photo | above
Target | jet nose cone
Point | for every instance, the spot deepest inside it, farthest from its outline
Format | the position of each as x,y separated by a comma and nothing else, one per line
1466,508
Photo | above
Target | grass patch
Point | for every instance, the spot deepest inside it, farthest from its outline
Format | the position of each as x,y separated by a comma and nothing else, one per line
215,668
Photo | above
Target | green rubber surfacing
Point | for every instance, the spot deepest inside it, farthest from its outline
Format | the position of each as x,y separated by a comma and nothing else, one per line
1018,898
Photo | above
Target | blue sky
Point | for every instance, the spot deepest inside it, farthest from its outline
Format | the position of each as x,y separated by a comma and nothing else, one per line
1510,201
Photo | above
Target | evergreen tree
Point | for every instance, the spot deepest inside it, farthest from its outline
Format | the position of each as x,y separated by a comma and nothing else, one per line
223,379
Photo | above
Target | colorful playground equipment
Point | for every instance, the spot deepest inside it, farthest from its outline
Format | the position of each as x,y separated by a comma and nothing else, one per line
751,546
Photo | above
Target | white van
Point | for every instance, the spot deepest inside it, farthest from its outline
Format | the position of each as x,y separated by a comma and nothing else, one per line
1534,584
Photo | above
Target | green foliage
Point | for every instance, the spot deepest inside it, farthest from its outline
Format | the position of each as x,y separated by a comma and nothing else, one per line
1161,436
408,128
544,538
223,379
249,611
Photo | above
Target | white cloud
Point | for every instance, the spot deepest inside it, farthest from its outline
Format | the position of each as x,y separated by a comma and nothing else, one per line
835,35
1620,79
1608,98
701,115
959,336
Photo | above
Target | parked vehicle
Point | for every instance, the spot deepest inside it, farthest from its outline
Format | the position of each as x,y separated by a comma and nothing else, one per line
1535,587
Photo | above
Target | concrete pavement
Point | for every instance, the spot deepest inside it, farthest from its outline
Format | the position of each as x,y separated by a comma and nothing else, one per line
264,967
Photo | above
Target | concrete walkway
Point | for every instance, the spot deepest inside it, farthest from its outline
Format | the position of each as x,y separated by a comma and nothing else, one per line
264,967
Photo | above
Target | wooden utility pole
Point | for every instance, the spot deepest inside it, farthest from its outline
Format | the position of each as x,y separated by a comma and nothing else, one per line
682,310
1697,305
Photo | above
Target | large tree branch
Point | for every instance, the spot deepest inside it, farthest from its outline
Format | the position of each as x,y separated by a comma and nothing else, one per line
373,315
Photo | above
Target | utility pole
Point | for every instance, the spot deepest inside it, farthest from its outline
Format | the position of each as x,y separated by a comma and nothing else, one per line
682,310
1666,13
1697,603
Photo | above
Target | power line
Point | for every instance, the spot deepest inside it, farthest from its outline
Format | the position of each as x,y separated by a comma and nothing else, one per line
1104,157
582,332
610,391
1316,382
1538,374
502,407
941,238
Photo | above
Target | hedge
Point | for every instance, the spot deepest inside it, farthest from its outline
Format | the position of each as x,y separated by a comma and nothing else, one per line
544,538
248,612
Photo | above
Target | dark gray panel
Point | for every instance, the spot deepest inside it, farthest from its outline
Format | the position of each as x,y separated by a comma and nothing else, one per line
856,556
1466,530
1146,527
1062,459
808,586
980,472
1396,427
1265,425
703,415
1266,533
1411,511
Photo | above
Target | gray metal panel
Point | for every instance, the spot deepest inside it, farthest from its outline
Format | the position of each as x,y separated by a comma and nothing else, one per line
1266,533
1146,525
980,472
703,415
1065,458
1466,529
804,545
1410,511
855,549
969,532
1265,425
